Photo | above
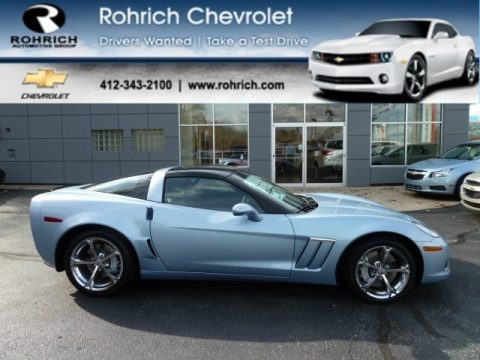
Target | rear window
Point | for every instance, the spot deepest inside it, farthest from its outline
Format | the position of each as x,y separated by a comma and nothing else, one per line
134,186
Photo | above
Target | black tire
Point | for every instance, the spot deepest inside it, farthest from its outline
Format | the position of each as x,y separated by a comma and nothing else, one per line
415,74
469,75
458,186
399,257
115,273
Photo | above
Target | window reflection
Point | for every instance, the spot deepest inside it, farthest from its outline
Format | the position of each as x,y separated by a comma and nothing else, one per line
224,142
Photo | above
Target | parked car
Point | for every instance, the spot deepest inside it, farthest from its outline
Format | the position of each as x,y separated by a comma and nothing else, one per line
395,56
445,174
234,160
222,223
2,176
330,155
470,192
415,153
382,147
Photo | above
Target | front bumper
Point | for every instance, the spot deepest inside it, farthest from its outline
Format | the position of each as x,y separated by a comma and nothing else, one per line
326,76
443,185
436,265
470,197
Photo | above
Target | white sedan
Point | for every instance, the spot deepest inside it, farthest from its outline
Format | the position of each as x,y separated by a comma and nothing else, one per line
397,56
470,192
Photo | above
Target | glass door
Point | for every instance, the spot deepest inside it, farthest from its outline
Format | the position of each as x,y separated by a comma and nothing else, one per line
288,164
325,154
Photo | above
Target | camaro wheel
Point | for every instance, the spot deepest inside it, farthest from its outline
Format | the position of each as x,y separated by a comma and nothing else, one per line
99,263
380,270
469,72
415,78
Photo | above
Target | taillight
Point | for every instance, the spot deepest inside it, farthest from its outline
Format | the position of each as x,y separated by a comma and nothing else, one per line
327,152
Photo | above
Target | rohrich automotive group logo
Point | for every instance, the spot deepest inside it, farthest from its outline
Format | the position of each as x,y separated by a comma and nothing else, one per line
44,19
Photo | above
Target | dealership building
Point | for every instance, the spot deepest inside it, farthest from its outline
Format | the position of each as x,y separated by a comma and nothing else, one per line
292,144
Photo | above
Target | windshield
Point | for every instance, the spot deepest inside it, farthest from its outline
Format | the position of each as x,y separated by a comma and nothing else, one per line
295,202
134,186
402,28
463,152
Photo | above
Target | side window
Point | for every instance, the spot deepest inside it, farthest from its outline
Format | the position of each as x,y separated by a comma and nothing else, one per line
446,28
205,193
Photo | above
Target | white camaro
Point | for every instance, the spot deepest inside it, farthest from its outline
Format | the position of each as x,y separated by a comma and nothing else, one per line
393,57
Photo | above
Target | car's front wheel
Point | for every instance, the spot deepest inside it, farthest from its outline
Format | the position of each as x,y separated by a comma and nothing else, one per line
99,263
380,270
415,83
469,72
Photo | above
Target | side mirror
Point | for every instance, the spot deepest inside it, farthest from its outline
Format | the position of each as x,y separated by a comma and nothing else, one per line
245,209
441,35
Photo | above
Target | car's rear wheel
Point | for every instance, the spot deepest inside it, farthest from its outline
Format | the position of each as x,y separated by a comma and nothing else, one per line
415,82
99,263
380,270
469,72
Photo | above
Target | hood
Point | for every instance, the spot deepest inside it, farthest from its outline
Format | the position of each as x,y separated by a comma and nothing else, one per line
436,164
341,204
363,44
474,176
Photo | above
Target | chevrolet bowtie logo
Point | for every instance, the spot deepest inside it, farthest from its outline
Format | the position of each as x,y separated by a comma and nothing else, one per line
339,59
45,78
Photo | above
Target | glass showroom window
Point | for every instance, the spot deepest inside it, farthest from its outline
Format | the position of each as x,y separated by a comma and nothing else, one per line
214,134
405,133
474,122
324,113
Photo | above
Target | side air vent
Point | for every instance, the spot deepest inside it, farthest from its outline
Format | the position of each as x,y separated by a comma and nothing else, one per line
314,254
152,249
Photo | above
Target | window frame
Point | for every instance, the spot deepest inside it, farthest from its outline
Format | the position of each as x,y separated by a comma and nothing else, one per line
405,123
202,176
213,125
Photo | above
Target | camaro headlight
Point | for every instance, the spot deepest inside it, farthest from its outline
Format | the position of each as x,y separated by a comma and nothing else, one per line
317,56
441,173
425,229
382,57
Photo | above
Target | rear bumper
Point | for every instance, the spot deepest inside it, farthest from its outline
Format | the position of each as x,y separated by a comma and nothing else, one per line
358,78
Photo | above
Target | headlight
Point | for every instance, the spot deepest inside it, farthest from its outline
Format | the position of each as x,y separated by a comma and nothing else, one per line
317,56
426,230
383,57
441,173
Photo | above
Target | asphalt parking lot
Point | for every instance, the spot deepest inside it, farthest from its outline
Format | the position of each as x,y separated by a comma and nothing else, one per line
42,316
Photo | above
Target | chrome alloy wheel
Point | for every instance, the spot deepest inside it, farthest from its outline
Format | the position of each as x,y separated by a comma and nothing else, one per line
96,264
470,68
382,272
416,78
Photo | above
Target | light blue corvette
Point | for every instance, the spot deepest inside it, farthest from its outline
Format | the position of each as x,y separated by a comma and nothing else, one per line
222,223
445,174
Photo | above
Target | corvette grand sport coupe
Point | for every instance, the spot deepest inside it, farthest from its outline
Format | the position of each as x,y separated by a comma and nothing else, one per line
222,223
397,56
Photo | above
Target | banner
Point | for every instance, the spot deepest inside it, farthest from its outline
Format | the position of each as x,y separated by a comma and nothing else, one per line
251,51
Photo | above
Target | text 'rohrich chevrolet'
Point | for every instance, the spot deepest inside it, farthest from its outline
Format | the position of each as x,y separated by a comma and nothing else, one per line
223,223
397,56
